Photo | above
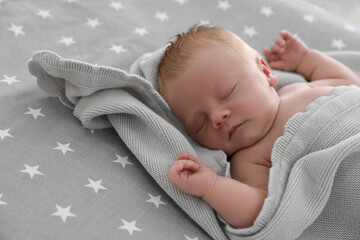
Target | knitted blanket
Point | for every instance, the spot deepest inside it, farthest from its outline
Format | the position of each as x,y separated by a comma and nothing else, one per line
313,184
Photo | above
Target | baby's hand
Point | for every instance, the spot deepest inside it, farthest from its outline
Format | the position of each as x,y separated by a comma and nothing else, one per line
191,175
286,53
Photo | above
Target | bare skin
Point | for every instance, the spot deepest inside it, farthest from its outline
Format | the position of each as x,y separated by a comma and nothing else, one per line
233,106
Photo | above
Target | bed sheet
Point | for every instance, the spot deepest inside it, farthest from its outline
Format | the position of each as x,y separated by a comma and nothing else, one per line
59,180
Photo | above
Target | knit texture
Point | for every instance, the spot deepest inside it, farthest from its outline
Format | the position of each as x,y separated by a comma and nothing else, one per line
304,187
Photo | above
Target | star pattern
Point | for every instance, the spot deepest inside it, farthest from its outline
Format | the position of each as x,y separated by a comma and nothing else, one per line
155,200
162,16
250,31
309,18
9,80
44,14
122,160
116,5
267,11
224,5
63,213
67,41
35,112
129,226
93,22
96,185
338,43
16,29
64,148
5,133
32,171
140,31
117,49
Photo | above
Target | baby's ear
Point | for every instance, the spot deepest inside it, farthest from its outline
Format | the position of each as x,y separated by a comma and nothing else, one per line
266,70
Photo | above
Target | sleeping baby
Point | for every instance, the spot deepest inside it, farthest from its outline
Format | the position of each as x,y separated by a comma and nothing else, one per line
222,91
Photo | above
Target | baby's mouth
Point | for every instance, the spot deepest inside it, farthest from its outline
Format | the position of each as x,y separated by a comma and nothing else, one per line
233,129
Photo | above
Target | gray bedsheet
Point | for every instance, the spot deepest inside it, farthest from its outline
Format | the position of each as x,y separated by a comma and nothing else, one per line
61,181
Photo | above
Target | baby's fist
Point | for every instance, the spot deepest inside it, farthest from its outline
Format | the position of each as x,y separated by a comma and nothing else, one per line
191,175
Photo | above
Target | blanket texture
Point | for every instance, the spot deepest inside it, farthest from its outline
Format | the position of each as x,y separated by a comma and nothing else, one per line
313,184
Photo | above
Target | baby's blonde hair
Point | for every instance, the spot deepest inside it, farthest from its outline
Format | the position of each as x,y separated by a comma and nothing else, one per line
182,46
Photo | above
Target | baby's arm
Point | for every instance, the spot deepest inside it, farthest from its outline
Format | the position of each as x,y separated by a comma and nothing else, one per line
238,203
290,54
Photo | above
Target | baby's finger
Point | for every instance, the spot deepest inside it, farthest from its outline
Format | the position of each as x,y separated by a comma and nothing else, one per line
285,35
280,42
276,49
182,165
186,156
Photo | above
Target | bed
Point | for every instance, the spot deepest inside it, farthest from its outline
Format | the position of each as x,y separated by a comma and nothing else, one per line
60,180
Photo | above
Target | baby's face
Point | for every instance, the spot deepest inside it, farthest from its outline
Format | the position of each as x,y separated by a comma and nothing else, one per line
223,102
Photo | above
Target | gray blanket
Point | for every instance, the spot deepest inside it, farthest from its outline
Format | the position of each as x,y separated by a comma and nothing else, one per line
313,184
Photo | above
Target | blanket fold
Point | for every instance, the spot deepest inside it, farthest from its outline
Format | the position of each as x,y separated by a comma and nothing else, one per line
316,145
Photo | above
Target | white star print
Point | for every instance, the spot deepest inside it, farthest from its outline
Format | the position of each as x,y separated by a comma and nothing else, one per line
162,16
122,160
130,227
17,30
155,200
205,22
117,48
64,148
5,133
267,11
63,212
250,31
189,238
95,185
116,5
338,43
67,40
32,171
1,201
35,112
44,14
224,5
93,22
141,31
9,80
309,18
181,2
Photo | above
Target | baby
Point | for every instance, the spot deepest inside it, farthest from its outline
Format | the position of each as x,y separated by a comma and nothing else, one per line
223,92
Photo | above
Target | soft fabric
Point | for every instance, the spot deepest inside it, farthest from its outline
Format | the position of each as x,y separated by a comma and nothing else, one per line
315,174
123,201
305,160
104,97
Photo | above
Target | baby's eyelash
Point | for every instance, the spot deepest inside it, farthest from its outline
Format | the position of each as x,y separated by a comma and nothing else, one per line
227,95
232,89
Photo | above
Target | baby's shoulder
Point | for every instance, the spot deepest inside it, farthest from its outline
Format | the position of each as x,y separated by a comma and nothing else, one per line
293,88
296,97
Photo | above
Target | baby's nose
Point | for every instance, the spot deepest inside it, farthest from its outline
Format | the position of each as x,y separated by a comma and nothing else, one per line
219,117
